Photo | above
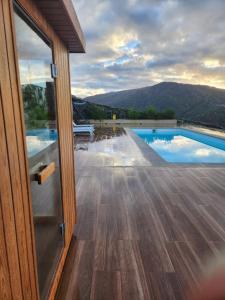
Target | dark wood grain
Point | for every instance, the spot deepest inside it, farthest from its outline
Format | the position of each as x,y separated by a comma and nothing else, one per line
151,228
62,17
106,286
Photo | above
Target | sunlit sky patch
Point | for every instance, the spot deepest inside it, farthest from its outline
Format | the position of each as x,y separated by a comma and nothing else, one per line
136,43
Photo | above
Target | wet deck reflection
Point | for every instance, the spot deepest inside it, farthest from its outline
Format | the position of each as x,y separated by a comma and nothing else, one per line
144,231
108,147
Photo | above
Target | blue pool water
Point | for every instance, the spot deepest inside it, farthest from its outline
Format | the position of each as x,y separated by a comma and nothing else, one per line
39,139
184,146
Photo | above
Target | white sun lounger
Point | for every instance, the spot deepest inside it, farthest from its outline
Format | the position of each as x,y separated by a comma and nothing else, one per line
83,125
83,128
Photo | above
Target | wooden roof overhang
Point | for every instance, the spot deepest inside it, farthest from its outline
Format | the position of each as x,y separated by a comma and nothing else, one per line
62,17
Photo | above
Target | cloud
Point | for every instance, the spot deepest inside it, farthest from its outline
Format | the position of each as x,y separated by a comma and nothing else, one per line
134,43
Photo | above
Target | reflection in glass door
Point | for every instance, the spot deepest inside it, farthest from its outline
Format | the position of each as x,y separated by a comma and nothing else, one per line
38,91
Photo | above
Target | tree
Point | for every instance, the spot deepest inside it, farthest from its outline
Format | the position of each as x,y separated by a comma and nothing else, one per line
152,113
168,114
97,113
133,114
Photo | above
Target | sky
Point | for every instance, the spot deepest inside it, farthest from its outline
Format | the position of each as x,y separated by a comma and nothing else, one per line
136,43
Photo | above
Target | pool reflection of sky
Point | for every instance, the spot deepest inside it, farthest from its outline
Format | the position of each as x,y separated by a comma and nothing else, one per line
177,148
38,140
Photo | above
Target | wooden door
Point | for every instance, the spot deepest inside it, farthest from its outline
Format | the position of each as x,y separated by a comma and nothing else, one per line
15,207
17,247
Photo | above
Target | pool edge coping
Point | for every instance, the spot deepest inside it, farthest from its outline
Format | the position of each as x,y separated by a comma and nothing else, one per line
163,163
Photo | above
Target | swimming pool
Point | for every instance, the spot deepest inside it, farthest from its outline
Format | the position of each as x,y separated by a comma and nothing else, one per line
39,139
184,146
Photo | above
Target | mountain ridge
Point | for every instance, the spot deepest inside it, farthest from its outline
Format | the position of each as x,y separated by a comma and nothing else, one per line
199,103
158,84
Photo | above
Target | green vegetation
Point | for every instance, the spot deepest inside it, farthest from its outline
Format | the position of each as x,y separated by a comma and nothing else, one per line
35,106
86,110
193,103
96,112
150,114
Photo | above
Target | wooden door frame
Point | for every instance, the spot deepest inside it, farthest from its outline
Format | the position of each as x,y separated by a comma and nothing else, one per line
12,106
16,167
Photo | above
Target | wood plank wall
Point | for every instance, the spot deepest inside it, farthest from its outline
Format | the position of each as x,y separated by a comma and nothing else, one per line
11,184
17,247
10,285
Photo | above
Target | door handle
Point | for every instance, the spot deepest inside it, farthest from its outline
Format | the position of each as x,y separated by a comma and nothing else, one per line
46,172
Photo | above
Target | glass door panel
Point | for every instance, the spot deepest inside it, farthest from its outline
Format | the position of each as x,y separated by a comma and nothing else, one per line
38,91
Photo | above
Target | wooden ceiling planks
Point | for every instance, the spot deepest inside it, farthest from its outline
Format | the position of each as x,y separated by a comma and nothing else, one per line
62,17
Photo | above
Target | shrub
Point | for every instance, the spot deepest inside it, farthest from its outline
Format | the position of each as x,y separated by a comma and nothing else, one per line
150,113
97,113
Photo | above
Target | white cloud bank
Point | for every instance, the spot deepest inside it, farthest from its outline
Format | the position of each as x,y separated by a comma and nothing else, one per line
136,43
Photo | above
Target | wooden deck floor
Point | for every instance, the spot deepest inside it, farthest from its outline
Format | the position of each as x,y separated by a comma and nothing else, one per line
144,231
